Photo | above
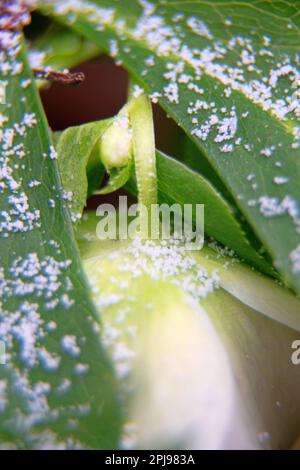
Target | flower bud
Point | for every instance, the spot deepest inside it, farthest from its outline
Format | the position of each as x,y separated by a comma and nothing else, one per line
201,361
115,144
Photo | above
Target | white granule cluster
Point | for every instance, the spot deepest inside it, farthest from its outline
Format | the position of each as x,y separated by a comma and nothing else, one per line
280,179
81,369
168,260
113,48
267,151
97,15
274,207
227,128
16,215
199,27
137,91
69,345
52,153
295,259
271,206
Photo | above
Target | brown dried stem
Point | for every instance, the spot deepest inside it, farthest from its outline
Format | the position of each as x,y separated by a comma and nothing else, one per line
65,78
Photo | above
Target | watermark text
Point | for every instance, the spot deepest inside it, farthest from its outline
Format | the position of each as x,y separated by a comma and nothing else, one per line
161,221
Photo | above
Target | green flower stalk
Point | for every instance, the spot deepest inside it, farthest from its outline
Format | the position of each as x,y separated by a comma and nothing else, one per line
140,112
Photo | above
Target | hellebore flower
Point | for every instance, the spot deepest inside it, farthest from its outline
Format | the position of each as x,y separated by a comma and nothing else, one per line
197,344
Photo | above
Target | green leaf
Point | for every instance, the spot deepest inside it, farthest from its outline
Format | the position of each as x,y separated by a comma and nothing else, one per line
192,157
227,73
118,177
57,387
79,162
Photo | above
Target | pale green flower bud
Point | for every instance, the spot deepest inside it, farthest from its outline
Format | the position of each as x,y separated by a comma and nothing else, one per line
202,363
115,144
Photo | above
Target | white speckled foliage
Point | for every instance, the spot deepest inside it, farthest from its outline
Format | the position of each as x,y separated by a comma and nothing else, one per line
142,343
56,386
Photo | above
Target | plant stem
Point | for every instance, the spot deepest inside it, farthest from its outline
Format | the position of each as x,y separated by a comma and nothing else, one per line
141,119
65,78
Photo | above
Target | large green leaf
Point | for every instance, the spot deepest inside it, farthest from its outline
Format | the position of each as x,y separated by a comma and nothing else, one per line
57,388
227,72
